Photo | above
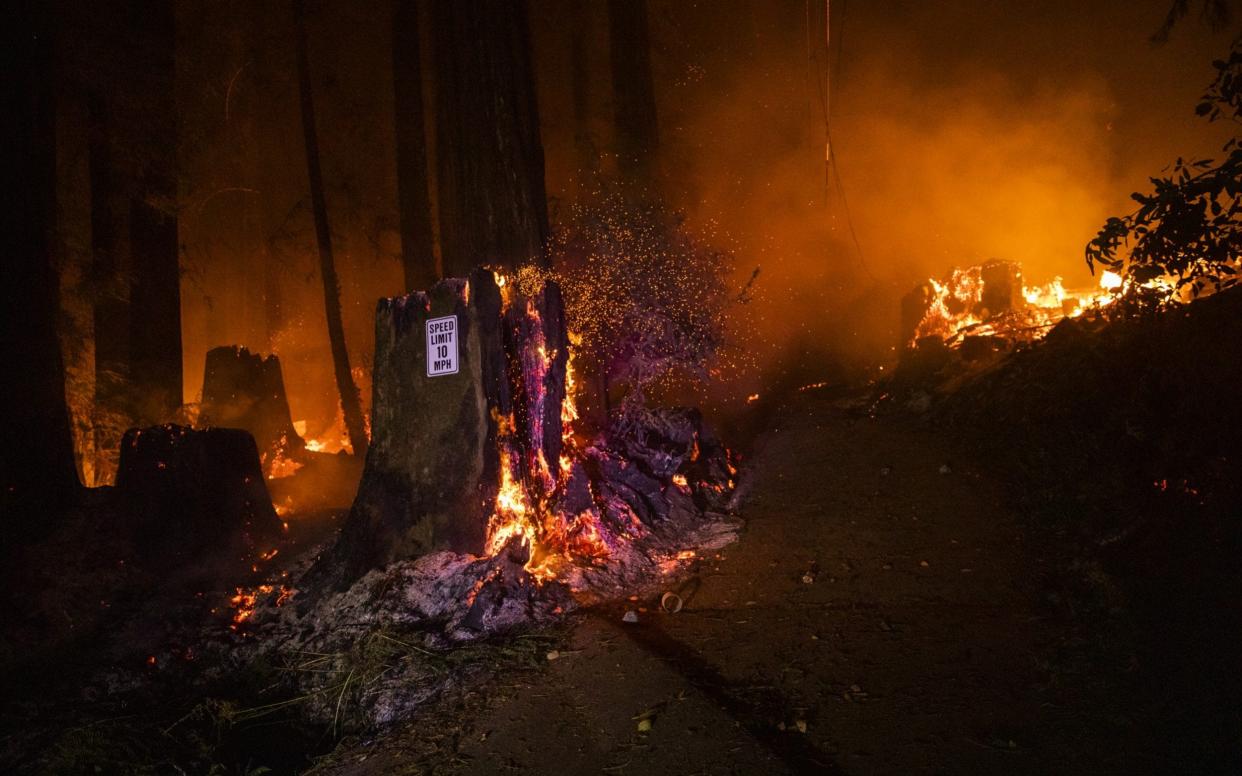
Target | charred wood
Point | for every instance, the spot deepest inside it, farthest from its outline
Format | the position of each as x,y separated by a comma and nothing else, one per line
191,494
247,390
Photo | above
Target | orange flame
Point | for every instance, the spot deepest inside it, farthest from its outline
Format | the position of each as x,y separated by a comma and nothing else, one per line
521,510
955,306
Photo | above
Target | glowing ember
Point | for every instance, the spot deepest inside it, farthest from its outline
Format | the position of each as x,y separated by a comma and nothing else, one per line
246,601
336,438
280,466
528,486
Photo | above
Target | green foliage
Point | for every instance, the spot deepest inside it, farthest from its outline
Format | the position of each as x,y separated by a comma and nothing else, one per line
1185,238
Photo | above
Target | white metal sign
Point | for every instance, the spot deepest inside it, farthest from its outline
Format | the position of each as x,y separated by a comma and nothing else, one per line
442,346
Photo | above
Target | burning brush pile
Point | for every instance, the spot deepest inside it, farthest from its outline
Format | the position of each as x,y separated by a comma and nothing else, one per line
480,511
991,301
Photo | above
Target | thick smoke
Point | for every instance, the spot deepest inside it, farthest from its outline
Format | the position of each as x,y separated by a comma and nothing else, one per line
962,131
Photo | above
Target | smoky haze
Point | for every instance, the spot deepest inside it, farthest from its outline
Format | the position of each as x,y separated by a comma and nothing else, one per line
962,131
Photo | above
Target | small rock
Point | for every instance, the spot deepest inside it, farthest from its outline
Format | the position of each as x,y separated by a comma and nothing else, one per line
553,655
630,616
944,469
808,578
923,563
855,688
884,472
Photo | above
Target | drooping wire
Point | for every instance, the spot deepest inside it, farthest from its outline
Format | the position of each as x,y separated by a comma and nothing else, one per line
832,172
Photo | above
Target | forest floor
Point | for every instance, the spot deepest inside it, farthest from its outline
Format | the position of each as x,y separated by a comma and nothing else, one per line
887,610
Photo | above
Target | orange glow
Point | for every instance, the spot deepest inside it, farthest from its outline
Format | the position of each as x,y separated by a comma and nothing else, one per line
521,511
246,601
281,466
955,308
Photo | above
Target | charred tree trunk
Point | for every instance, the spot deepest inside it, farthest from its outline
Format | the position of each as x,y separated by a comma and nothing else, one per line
36,445
247,390
638,136
434,470
490,176
413,200
351,401
191,494
155,293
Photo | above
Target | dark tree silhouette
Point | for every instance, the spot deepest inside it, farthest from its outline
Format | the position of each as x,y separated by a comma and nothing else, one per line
493,204
155,290
1186,233
36,465
586,153
351,401
413,200
1216,13
110,309
638,134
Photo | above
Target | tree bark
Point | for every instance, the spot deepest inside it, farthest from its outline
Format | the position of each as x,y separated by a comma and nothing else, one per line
247,390
638,135
111,310
155,291
351,401
413,200
433,473
586,153
36,445
490,174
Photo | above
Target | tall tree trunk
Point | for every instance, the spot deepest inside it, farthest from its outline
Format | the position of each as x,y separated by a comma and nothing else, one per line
351,402
638,134
413,201
585,153
268,64
36,444
493,204
155,293
111,306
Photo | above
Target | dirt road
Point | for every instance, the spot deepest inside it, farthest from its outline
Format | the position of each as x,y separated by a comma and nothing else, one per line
881,614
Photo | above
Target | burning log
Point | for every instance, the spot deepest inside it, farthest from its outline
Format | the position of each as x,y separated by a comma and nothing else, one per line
247,390
191,493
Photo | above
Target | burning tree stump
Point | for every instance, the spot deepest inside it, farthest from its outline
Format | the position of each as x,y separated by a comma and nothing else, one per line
473,469
193,493
247,390
443,445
